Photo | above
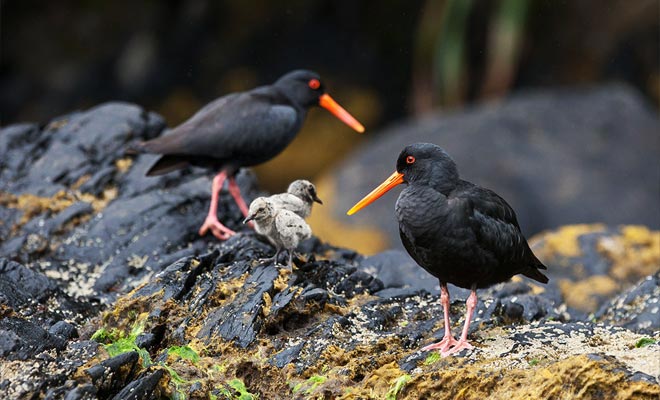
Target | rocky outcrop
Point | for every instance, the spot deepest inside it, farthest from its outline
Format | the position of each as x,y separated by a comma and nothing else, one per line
107,292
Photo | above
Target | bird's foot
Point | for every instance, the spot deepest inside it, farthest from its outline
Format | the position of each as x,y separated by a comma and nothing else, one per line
460,345
268,260
443,345
220,231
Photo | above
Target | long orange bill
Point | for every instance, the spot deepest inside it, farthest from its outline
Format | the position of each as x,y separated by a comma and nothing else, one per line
395,179
329,104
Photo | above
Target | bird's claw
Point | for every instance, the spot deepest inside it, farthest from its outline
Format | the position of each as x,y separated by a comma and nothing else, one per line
443,345
460,345
220,231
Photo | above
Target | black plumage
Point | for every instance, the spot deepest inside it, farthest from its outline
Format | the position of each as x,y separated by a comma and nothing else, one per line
459,232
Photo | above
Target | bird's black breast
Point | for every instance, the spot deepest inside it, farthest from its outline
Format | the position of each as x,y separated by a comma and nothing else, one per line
457,240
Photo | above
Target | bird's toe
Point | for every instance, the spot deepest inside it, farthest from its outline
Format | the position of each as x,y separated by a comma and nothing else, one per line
460,345
444,345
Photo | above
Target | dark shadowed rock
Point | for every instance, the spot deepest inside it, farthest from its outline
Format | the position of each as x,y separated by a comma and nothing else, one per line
72,196
637,309
113,374
21,339
592,263
144,387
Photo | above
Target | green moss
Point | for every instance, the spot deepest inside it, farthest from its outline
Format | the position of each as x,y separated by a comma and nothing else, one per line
184,352
397,386
122,344
310,384
239,387
106,335
643,342
432,358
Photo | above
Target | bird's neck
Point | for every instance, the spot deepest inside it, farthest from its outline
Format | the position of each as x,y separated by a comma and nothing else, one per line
282,97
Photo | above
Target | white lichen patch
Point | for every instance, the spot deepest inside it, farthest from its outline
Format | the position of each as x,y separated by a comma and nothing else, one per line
517,347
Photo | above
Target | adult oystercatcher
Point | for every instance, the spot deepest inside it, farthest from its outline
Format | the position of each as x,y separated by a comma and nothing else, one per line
459,232
241,130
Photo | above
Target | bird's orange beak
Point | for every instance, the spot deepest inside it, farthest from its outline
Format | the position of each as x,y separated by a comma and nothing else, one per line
338,111
395,179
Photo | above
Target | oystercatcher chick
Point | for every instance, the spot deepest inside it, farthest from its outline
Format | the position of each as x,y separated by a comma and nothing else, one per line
459,232
284,229
241,130
299,198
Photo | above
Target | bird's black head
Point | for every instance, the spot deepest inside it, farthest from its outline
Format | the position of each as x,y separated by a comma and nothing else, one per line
305,89
418,164
427,164
302,87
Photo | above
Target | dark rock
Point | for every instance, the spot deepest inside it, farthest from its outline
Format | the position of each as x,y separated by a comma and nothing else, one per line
637,309
590,264
21,339
145,340
110,375
20,286
64,330
239,320
82,392
82,156
396,269
143,388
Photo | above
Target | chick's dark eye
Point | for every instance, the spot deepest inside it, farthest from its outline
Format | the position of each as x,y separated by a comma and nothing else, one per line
410,160
314,84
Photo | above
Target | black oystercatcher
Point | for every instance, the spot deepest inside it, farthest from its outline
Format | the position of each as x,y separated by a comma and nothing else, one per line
240,130
459,232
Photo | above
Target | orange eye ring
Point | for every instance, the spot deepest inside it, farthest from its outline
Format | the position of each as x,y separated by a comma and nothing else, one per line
410,160
314,84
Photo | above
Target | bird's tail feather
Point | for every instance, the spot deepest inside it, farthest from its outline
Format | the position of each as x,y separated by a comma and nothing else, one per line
535,274
167,164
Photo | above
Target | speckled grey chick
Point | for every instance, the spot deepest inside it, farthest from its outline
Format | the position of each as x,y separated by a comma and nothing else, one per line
299,198
283,228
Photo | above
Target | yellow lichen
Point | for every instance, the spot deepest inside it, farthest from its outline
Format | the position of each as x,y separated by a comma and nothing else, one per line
563,241
635,253
123,164
33,205
265,309
584,294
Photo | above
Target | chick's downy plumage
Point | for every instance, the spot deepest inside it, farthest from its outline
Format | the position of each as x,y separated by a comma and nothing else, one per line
283,228
299,198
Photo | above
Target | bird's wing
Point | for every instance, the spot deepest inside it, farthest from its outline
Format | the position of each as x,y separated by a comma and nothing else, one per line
495,224
288,201
219,130
287,221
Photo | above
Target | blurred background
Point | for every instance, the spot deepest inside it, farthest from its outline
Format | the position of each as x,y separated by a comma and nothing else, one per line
383,61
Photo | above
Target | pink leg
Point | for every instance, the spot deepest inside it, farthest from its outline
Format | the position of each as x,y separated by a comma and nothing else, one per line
463,343
448,340
220,231
236,194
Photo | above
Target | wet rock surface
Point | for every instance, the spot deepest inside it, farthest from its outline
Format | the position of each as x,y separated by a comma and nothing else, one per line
106,291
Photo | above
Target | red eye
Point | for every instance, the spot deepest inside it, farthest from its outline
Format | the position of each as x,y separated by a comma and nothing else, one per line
410,159
314,84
